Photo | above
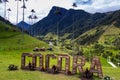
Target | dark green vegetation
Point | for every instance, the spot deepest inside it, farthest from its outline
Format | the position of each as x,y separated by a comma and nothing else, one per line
11,39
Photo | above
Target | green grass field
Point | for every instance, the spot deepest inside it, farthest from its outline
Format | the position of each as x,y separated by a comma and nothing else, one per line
14,57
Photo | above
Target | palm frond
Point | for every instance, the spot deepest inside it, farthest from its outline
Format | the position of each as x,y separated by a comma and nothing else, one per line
57,11
30,16
9,9
74,5
23,7
33,11
35,17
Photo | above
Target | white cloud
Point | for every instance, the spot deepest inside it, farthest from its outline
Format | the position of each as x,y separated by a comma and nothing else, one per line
42,7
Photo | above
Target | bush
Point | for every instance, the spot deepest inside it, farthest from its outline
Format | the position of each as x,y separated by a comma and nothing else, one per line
12,67
107,78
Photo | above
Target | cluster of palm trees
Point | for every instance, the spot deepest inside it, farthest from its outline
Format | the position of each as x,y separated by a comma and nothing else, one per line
32,19
5,4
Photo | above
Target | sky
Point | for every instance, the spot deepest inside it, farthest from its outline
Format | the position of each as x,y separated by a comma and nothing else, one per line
42,7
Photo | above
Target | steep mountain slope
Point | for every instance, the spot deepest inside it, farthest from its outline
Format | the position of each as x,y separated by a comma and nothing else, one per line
11,39
103,34
48,22
79,19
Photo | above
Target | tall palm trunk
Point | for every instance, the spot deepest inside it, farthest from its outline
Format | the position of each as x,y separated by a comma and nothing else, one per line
35,18
30,30
5,10
9,10
17,12
5,3
57,12
23,9
73,31
8,15
57,34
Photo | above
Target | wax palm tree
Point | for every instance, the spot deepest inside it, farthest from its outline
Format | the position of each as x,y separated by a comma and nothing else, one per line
30,18
5,2
9,10
34,19
57,12
32,11
74,5
1,1
17,10
73,31
24,7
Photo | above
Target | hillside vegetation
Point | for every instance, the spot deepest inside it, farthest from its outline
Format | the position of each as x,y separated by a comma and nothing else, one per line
11,38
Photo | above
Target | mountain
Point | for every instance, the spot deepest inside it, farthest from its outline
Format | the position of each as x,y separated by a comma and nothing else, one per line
25,26
44,25
80,20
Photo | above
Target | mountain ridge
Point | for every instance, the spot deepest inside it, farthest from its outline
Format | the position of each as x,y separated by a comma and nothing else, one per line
81,20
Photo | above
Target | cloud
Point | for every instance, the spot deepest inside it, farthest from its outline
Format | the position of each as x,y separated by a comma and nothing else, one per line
100,6
42,7
83,2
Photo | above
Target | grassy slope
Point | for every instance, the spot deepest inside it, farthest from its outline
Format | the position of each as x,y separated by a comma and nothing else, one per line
11,48
110,31
14,40
9,54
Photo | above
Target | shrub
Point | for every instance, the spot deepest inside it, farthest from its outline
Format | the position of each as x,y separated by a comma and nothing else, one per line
12,67
107,78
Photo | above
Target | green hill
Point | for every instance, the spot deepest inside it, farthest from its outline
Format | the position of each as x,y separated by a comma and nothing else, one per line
11,38
102,34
